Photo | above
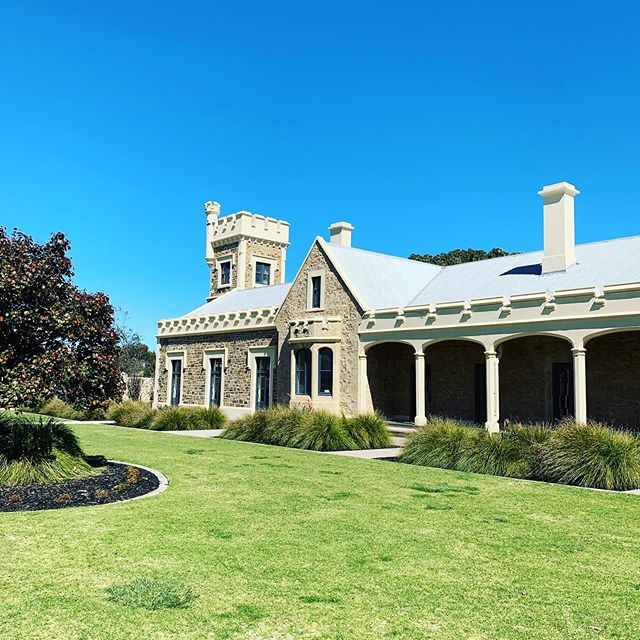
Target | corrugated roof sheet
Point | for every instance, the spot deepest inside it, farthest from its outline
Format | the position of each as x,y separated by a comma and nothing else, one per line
598,264
244,300
380,280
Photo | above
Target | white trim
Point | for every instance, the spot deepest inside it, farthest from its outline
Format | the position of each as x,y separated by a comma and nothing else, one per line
220,261
273,264
318,273
169,359
207,355
252,354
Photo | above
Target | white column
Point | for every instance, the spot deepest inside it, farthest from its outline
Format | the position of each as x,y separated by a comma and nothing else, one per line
362,383
421,412
493,392
580,384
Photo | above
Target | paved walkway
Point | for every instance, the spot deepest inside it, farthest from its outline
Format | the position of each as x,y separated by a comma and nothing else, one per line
198,433
369,454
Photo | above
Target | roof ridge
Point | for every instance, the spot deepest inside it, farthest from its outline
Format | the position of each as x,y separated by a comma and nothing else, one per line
385,255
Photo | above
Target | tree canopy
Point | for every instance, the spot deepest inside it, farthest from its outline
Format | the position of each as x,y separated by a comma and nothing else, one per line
136,359
458,256
55,339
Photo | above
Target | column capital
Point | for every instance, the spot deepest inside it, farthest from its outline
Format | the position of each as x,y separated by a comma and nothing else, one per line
362,356
419,355
578,351
490,353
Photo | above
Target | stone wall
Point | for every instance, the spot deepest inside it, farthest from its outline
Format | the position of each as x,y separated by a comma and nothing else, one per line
526,376
613,379
237,380
263,249
224,251
391,376
337,302
146,388
453,370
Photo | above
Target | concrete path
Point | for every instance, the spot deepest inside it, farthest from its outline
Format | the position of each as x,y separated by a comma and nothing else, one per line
198,433
369,454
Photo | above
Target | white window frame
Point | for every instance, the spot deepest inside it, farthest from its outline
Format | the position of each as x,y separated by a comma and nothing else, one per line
207,355
272,271
314,274
252,354
219,263
169,359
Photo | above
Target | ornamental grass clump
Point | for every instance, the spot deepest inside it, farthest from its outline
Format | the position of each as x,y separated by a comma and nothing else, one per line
439,443
131,413
324,431
593,455
369,431
186,418
310,429
498,454
38,452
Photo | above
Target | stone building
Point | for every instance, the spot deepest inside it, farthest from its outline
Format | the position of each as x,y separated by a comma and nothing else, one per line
533,336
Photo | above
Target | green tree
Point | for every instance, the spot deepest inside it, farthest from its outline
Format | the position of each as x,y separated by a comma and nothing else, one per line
136,359
458,256
55,339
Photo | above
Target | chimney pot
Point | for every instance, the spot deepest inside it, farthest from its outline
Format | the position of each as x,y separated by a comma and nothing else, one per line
340,233
559,227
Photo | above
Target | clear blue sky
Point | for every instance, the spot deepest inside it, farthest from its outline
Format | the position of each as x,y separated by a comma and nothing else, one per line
429,126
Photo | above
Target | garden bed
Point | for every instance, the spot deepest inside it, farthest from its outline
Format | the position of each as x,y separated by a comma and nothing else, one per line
114,482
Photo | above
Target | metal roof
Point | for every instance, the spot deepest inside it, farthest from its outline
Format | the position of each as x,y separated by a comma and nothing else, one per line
379,280
598,264
244,300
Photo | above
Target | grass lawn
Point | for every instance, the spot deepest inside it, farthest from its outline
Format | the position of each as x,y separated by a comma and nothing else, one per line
277,543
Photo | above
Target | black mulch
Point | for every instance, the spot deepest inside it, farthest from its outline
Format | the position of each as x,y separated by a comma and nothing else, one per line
114,483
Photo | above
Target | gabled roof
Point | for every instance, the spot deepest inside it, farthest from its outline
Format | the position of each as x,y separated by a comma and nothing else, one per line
598,264
244,300
379,281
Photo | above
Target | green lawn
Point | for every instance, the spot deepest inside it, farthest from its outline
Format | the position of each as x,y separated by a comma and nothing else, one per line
285,544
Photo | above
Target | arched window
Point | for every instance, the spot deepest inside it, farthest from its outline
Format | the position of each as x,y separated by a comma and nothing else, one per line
325,372
303,372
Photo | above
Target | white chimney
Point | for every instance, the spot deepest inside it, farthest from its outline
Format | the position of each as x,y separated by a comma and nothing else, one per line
559,227
340,233
212,211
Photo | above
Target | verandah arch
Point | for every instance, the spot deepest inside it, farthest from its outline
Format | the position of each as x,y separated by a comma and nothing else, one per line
613,378
455,375
391,377
536,378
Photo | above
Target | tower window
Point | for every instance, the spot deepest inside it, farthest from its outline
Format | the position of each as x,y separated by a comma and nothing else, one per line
225,273
263,273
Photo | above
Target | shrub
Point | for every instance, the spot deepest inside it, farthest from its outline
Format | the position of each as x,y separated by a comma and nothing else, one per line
439,443
593,455
21,438
38,451
369,431
323,431
207,418
248,428
59,409
498,454
131,414
310,429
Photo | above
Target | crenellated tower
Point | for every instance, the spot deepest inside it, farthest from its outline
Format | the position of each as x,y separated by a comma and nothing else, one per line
244,250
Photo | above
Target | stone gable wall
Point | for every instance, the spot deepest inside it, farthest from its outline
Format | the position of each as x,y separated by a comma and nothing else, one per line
237,381
337,302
